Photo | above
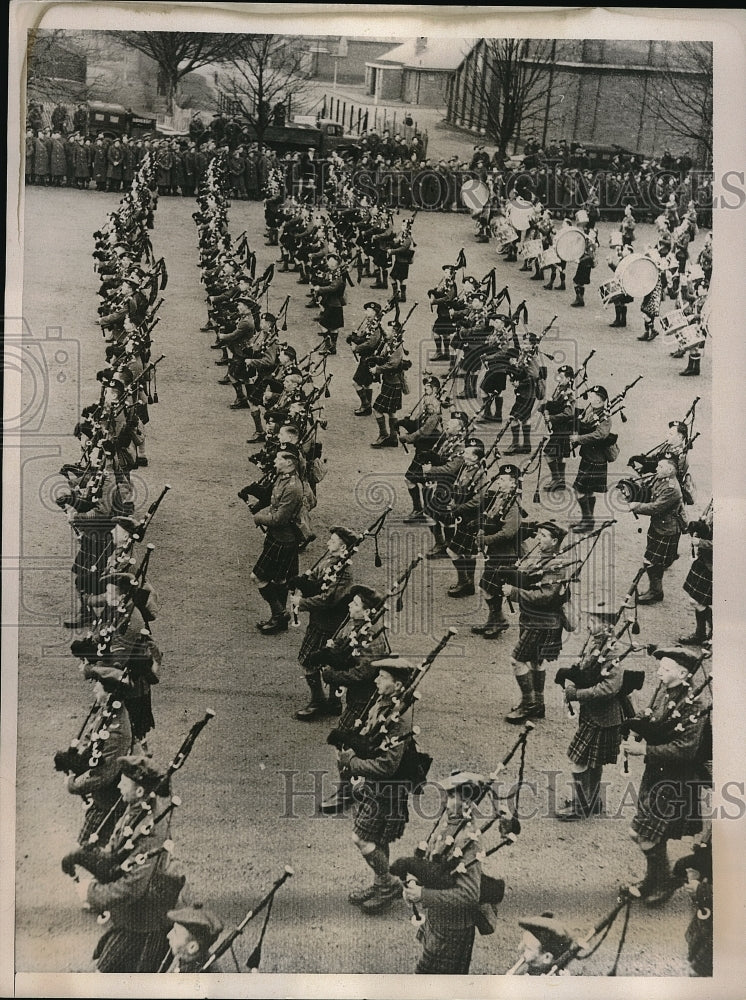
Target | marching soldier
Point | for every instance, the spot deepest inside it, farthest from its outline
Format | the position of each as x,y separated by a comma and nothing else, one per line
440,473
402,248
423,432
597,687
500,539
667,520
674,747
323,592
593,430
443,297
698,583
278,561
559,413
467,501
365,343
541,595
138,901
390,365
347,665
332,294
447,934
381,809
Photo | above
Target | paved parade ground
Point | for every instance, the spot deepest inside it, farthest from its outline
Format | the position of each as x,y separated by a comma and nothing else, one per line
247,790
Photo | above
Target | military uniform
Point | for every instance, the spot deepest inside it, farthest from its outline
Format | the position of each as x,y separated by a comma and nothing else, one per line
666,513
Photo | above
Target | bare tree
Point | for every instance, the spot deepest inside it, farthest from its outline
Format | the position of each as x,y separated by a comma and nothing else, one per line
266,70
180,52
505,85
55,68
684,101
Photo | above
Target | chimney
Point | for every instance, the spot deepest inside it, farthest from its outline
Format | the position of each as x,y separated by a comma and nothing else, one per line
419,46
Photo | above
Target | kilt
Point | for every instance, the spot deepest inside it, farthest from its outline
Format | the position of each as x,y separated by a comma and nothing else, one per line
436,502
381,811
464,541
661,550
362,374
557,447
521,408
255,391
125,950
594,745
314,639
492,580
537,643
95,549
389,399
444,954
400,270
583,272
332,318
698,583
95,816
494,381
414,473
591,477
444,327
667,805
277,561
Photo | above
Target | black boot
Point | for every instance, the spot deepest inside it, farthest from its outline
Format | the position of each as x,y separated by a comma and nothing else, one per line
382,435
577,807
338,800
366,398
657,886
622,315
561,286
527,706
579,296
550,284
587,504
439,549
465,585
496,622
260,435
649,332
526,446
402,293
699,635
654,593
693,364
515,447
417,512
317,706
84,617
241,402
275,594
617,317
538,679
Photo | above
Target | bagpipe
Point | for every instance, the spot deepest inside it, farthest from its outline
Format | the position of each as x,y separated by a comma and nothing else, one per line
702,527
442,871
611,408
592,665
564,566
309,586
82,756
681,709
115,620
226,943
108,866
378,739
639,490
587,945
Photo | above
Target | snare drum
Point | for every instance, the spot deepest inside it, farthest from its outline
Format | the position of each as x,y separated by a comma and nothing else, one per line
689,337
550,258
673,321
638,275
505,235
615,240
570,244
530,249
610,290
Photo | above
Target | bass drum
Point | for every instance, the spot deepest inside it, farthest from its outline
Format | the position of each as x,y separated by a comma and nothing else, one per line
520,215
637,275
474,194
570,244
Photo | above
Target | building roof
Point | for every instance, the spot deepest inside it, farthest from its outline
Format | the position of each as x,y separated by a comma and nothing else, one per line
436,53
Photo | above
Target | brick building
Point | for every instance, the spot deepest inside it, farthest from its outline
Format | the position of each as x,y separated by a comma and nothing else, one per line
417,72
345,56
599,91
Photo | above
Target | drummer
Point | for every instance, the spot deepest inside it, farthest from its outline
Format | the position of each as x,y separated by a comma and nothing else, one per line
621,300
